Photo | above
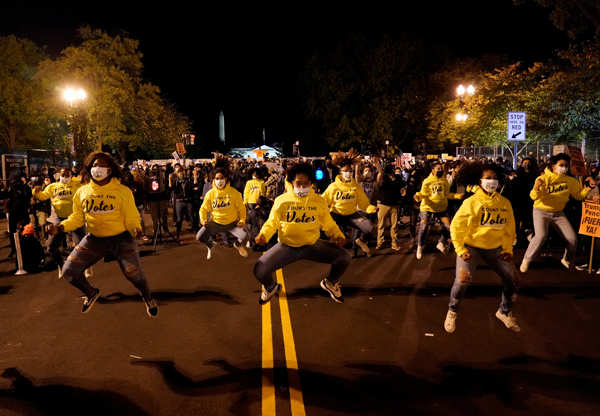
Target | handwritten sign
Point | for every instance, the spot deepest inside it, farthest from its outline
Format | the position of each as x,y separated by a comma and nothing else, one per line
590,219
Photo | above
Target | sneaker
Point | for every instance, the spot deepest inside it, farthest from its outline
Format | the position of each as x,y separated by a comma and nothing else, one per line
441,247
248,245
363,246
508,320
582,267
266,294
395,248
530,237
565,263
59,272
419,252
152,308
335,291
145,238
89,272
208,253
450,322
524,266
378,246
241,249
88,303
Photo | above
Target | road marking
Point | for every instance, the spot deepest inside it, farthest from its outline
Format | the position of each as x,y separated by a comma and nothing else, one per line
291,361
267,387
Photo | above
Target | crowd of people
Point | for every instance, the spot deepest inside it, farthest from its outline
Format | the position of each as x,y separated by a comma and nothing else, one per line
297,209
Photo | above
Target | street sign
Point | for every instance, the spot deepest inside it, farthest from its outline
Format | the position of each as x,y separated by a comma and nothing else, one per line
516,127
180,148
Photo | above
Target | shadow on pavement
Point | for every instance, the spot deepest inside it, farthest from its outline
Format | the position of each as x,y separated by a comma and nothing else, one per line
4,290
584,291
173,295
60,399
386,389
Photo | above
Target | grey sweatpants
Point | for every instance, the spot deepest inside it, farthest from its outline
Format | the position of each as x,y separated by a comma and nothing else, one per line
281,255
541,223
91,249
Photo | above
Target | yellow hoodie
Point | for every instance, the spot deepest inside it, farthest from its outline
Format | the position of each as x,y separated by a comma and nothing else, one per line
345,198
61,196
298,221
434,194
554,195
106,210
484,221
224,206
254,189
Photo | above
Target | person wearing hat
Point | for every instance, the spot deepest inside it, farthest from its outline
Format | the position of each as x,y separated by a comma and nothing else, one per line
32,251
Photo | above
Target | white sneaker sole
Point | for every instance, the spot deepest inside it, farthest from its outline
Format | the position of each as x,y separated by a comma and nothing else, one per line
331,294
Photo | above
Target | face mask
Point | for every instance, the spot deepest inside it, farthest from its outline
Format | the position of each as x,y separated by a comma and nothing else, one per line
489,185
562,170
64,180
439,173
99,173
346,176
220,183
302,192
34,179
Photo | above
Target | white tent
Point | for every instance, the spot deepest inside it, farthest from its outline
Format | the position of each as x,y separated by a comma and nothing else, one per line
255,153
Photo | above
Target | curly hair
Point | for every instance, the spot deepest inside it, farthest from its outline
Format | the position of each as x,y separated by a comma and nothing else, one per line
115,170
305,168
470,173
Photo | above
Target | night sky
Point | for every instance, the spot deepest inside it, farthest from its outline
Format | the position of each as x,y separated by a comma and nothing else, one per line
247,61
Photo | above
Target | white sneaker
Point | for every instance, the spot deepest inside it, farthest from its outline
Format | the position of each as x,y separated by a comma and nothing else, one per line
565,263
450,322
419,252
241,249
266,295
508,320
89,272
363,246
335,291
441,247
248,244
524,266
208,253
59,272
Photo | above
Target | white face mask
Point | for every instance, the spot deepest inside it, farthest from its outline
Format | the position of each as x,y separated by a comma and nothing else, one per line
346,176
64,180
220,183
302,192
489,185
99,173
562,170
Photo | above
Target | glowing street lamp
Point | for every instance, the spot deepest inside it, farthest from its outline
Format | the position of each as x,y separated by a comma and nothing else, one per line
71,95
461,90
461,117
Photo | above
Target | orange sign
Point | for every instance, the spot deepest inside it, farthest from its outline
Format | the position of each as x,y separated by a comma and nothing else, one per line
590,219
259,152
180,148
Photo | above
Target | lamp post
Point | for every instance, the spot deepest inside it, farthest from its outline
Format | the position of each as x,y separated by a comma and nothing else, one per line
74,96
387,148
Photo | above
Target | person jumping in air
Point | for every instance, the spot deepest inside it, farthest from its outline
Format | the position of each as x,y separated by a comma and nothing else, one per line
298,218
483,231
108,210
434,196
550,194
226,209
344,197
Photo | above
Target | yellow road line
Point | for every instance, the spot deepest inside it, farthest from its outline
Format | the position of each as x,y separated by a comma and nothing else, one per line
291,361
267,387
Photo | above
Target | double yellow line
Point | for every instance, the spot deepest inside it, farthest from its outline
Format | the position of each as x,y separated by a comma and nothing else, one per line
291,360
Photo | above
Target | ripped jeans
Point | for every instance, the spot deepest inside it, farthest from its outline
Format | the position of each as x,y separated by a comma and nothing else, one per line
91,249
464,275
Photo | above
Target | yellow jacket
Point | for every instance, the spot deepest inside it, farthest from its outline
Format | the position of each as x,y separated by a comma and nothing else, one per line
224,206
254,189
345,198
434,194
106,210
484,221
554,195
298,221
61,196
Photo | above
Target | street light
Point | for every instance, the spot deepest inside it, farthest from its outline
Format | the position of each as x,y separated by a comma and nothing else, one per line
461,117
70,95
461,90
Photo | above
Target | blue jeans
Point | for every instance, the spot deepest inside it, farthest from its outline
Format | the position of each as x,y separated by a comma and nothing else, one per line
281,255
356,221
56,241
211,229
91,249
425,219
183,209
464,274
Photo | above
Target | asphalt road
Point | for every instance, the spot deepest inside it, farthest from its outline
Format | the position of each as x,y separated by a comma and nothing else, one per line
214,351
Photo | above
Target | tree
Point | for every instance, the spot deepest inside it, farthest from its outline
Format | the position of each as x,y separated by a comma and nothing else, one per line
20,121
121,110
578,18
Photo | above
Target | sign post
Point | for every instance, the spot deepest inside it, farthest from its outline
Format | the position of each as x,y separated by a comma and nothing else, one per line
590,224
516,131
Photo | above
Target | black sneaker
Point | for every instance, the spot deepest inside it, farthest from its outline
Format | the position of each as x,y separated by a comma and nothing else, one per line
334,290
88,302
266,295
152,308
